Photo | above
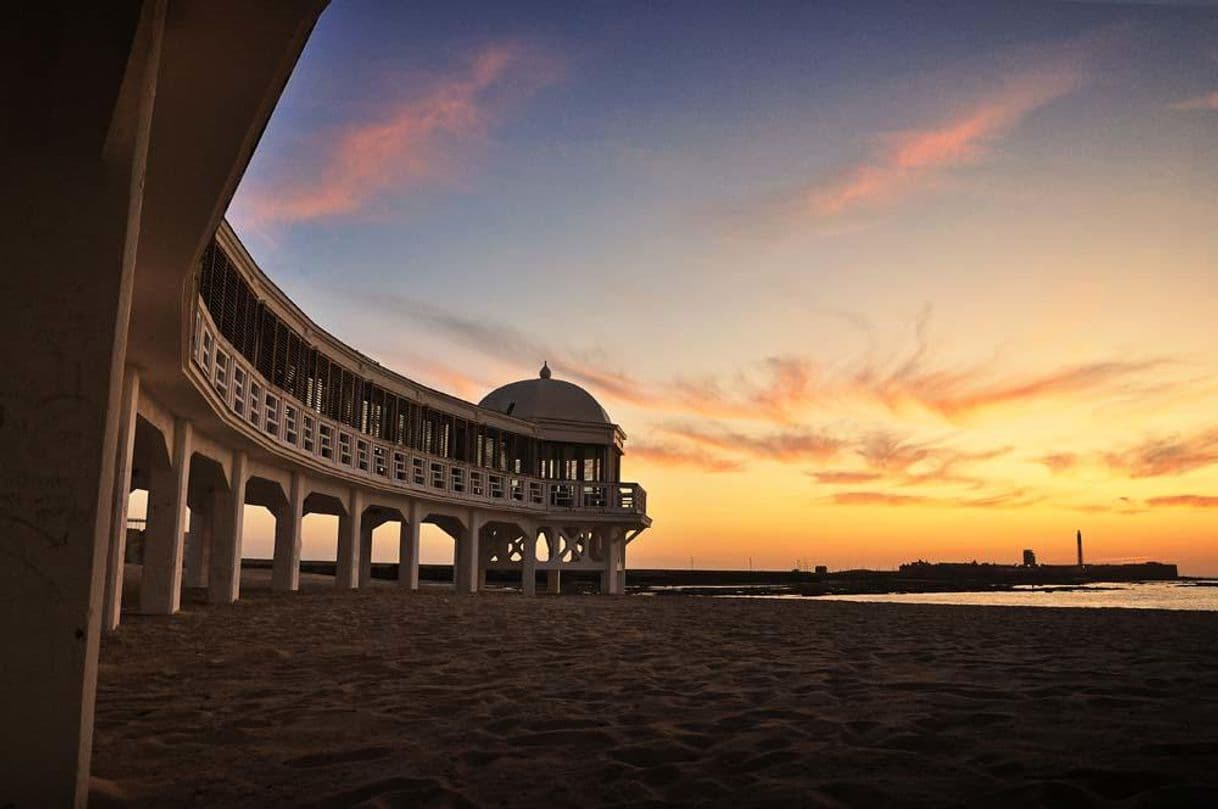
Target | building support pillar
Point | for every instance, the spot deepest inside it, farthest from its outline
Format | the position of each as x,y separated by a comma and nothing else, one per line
469,562
117,552
198,543
408,550
346,567
161,587
528,565
285,569
612,574
224,584
553,581
367,526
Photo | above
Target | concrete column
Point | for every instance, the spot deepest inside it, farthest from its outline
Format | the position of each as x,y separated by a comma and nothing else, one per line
367,526
198,543
611,576
67,284
467,556
408,550
116,557
161,587
346,569
285,569
224,584
528,566
554,581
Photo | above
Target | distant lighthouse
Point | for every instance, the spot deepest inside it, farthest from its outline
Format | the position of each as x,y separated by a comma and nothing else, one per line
1079,540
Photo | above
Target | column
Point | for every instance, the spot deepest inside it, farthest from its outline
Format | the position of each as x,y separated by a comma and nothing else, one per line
285,569
408,549
69,260
346,567
470,562
367,525
116,556
161,587
224,585
611,576
528,566
554,581
198,542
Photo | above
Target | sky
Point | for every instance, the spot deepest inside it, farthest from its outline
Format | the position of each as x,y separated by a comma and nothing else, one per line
862,283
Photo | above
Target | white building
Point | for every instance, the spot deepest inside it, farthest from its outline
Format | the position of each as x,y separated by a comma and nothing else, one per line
268,409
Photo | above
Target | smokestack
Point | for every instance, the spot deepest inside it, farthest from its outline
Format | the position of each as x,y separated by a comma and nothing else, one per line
1079,539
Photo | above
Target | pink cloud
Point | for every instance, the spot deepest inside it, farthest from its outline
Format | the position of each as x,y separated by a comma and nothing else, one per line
1209,101
1187,500
408,143
912,159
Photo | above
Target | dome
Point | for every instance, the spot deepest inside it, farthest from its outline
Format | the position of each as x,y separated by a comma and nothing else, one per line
545,398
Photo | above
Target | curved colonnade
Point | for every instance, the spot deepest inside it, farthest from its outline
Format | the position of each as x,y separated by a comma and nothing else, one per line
265,408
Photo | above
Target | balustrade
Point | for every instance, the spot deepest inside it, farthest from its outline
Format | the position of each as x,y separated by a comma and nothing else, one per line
296,429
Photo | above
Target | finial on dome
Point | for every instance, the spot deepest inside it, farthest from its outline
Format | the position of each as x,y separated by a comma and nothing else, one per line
545,370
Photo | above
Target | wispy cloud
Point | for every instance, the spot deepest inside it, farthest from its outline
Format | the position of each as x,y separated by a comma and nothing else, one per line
1185,500
668,455
405,144
913,159
782,445
1159,457
781,389
840,477
879,499
1209,101
1058,462
1015,498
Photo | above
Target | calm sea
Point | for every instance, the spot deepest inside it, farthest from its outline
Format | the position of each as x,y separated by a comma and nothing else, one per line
1200,595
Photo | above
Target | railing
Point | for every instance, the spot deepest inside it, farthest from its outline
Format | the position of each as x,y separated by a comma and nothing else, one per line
300,430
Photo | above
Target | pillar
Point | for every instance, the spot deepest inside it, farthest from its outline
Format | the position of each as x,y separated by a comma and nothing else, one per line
198,542
67,283
346,567
116,556
161,586
408,550
367,526
469,561
554,581
611,551
224,583
285,568
528,565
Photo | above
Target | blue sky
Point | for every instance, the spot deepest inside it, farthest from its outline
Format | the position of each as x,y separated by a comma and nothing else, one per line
964,226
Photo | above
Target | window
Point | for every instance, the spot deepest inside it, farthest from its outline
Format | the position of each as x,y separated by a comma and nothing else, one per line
219,379
326,435
307,434
344,449
238,390
271,424
255,402
378,461
208,343
420,478
290,416
361,455
399,466
437,476
458,479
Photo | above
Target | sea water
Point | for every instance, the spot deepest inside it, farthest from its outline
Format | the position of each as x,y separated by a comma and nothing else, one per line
1183,595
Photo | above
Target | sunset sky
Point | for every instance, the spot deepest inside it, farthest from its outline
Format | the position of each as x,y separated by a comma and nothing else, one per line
862,283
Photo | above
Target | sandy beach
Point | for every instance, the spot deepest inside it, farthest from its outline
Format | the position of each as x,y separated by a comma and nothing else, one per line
384,698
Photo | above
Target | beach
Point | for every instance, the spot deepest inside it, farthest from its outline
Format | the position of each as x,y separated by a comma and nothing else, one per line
385,698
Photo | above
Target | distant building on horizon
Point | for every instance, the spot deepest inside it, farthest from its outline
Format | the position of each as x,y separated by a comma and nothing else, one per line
1029,557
